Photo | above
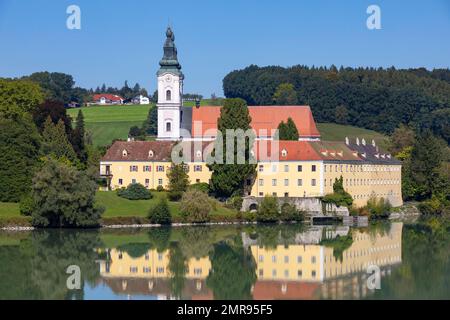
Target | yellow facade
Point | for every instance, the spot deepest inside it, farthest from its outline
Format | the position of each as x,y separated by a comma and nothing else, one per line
150,174
153,264
288,179
365,180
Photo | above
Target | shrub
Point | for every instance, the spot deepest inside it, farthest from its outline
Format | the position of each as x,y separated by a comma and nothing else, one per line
268,210
235,202
291,213
160,213
195,206
431,207
26,205
175,195
160,188
134,191
339,197
378,208
201,186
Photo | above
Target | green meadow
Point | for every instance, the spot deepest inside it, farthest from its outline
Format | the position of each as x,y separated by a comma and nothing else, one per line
111,122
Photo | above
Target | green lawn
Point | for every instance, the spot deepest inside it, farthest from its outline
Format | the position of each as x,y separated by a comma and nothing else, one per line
9,210
337,132
111,122
119,207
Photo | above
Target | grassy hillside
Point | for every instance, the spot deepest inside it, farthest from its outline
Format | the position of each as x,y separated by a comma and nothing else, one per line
337,132
111,122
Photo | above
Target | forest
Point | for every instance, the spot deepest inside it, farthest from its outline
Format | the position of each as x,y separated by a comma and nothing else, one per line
373,98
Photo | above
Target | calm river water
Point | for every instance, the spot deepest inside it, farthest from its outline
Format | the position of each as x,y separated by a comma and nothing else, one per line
229,262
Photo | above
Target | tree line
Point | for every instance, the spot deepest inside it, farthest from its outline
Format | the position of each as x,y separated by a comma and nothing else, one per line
373,98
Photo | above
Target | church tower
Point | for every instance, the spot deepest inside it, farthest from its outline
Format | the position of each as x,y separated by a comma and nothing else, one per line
170,91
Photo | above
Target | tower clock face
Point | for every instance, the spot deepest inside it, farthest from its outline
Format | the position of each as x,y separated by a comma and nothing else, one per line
168,78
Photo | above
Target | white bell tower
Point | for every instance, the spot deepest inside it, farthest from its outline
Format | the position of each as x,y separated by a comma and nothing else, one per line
170,91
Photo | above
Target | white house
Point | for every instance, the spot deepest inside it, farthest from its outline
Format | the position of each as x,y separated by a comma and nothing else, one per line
141,100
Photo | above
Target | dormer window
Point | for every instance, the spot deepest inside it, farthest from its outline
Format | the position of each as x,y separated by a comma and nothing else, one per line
198,154
283,153
124,153
150,154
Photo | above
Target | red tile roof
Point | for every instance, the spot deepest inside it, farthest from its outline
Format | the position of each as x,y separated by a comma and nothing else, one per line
285,151
263,118
107,96
139,151
273,290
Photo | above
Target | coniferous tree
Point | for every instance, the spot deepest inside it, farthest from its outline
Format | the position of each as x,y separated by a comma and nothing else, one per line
78,138
178,178
150,125
288,130
226,178
55,142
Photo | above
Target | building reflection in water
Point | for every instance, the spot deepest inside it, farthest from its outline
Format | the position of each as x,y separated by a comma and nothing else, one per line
320,263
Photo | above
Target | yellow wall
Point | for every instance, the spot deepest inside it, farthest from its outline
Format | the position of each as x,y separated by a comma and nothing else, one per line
362,180
277,171
121,170
151,265
365,180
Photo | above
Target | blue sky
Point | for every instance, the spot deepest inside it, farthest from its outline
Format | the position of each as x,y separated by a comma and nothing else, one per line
122,40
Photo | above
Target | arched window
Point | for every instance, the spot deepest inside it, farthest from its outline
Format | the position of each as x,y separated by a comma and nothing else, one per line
168,95
168,126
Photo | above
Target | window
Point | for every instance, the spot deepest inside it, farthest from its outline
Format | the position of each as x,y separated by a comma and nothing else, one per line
286,182
120,181
286,168
133,181
299,182
274,258
168,126
313,259
197,180
261,258
198,271
274,273
274,168
160,270
313,182
274,182
261,182
160,169
197,168
313,273
313,168
286,259
147,182
299,273
133,168
286,273
274,194
286,194
261,194
299,259
261,168
160,182
168,95
146,269
299,168
261,272
133,269
147,168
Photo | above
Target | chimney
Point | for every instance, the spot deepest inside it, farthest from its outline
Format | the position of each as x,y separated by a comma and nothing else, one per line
347,142
373,143
357,141
363,141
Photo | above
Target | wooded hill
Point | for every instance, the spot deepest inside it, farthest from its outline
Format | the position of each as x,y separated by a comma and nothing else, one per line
378,99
